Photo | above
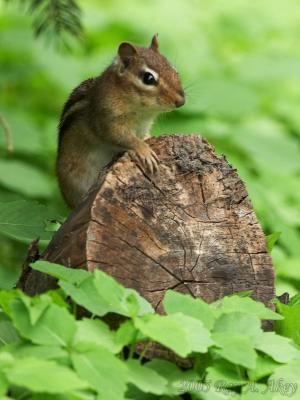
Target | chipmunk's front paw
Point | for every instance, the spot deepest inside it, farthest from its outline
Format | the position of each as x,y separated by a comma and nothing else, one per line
145,157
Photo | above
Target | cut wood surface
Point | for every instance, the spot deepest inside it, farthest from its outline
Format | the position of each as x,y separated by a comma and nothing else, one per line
190,228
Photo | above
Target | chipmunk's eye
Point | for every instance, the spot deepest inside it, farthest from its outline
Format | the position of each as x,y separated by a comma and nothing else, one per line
148,79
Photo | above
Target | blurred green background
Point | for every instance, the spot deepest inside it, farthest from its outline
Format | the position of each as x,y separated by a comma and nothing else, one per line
240,63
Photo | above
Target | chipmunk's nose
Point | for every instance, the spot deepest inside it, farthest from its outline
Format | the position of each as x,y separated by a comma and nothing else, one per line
180,99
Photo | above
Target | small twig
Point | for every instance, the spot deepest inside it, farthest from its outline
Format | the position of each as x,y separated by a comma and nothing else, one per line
7,134
143,352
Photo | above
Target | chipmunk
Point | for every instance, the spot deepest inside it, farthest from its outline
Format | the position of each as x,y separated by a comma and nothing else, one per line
114,112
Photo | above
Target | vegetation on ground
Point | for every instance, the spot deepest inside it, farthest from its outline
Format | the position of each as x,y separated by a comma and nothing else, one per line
239,61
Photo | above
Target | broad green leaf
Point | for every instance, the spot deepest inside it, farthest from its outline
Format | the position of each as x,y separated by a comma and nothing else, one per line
125,334
265,366
71,275
120,298
285,381
6,296
74,395
245,305
24,178
104,372
43,376
180,333
214,393
176,378
236,348
256,391
36,306
25,349
177,302
8,333
240,323
290,325
55,327
86,295
100,294
24,220
272,239
91,333
6,360
146,379
4,384
295,300
281,349
136,304
223,371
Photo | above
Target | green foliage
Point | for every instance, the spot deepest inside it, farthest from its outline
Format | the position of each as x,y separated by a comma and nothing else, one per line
240,65
59,17
47,350
290,325
240,70
24,220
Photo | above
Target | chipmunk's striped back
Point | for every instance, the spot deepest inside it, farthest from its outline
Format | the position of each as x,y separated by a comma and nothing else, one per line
76,102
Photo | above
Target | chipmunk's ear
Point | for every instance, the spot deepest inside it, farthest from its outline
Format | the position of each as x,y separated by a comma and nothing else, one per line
126,51
154,43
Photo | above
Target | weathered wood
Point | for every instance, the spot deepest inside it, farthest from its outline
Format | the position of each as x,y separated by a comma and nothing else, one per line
190,228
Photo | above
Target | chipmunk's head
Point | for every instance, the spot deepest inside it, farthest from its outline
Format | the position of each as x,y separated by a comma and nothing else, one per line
148,78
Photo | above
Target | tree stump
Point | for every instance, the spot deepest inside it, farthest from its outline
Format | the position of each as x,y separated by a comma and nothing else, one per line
190,228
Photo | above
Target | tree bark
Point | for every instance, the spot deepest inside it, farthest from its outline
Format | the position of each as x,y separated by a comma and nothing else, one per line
190,228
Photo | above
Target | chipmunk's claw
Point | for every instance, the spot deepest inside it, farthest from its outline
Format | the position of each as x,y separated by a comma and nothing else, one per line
146,158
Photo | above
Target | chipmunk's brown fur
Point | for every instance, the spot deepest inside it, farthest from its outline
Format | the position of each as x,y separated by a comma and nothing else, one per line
114,112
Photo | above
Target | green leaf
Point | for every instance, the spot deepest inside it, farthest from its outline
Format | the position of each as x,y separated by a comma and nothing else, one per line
214,393
175,377
285,381
6,296
180,333
86,295
177,302
272,239
295,300
256,391
100,294
55,327
24,178
25,349
146,379
125,334
91,333
223,371
24,220
281,349
245,305
36,306
105,373
265,366
6,360
236,348
136,304
4,385
290,325
43,376
8,333
71,275
240,323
